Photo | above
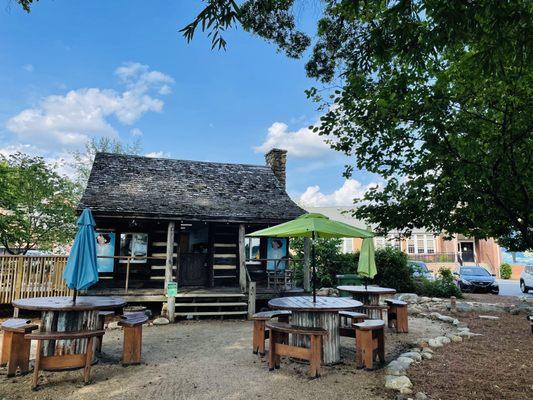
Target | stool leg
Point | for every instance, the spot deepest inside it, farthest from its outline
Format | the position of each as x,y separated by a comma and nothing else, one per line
6,348
316,356
99,339
35,380
402,320
131,351
272,351
364,349
255,337
390,316
19,355
88,360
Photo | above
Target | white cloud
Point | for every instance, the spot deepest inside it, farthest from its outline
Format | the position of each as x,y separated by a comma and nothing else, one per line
344,196
303,143
68,121
28,67
158,154
136,132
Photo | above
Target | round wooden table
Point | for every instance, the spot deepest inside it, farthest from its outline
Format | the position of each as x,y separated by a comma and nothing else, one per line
61,314
369,296
322,314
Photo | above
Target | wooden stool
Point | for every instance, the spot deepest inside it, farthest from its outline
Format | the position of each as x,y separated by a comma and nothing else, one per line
279,332
369,343
350,318
133,325
15,348
260,332
60,362
103,319
397,315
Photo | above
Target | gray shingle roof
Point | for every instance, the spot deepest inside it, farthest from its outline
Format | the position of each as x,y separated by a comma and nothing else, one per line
155,187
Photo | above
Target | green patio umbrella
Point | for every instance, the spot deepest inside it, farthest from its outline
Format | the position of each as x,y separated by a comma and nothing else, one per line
314,225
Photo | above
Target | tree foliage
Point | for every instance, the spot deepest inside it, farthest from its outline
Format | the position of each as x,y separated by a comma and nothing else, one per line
432,95
36,205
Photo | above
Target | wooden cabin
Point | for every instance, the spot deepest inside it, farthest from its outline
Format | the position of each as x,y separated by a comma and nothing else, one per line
161,220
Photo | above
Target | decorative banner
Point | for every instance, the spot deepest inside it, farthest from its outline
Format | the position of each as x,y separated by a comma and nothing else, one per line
276,252
105,246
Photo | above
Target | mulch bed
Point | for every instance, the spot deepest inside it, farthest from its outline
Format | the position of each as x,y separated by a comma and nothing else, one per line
497,365
490,298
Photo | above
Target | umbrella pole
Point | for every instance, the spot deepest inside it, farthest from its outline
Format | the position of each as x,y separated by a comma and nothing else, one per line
313,255
75,295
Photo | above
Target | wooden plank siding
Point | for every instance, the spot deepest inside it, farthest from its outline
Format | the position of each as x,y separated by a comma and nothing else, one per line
31,276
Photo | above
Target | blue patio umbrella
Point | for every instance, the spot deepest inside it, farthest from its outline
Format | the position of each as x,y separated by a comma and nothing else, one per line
81,271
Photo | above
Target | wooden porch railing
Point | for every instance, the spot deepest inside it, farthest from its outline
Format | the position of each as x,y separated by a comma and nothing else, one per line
31,276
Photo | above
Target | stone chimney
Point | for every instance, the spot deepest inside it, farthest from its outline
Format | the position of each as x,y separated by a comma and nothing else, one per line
277,160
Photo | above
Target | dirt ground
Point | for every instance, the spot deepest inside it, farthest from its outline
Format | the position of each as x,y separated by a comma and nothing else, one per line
495,366
211,360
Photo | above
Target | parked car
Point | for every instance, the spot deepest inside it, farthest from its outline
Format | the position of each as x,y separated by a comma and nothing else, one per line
419,269
526,279
476,279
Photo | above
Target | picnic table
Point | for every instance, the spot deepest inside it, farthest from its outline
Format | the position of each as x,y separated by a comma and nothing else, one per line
370,296
61,314
322,314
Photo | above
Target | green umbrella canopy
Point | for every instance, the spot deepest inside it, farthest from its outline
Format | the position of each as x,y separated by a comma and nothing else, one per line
316,225
313,225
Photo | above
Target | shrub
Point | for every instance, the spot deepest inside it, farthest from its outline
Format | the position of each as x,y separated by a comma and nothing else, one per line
443,286
506,271
393,270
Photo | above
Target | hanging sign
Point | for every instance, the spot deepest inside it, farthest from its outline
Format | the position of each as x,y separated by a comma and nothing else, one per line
172,289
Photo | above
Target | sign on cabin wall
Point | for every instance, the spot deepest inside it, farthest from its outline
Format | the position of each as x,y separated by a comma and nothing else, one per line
276,252
172,289
105,247
134,244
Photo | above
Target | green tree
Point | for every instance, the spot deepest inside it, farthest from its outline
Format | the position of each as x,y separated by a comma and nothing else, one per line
83,161
37,206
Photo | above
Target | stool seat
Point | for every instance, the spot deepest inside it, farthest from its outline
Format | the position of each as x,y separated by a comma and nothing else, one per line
369,343
370,324
18,325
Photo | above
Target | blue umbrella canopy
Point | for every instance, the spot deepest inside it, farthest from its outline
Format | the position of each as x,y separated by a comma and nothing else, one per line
81,271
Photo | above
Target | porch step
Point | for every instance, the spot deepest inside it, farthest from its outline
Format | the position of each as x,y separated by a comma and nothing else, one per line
224,277
225,245
222,266
210,313
221,255
221,304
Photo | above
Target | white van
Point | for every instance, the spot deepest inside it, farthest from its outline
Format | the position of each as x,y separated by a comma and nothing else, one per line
526,279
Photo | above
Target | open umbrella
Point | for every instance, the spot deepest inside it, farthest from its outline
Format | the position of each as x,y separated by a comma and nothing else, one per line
81,271
314,225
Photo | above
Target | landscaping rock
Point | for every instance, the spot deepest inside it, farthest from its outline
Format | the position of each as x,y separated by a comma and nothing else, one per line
464,307
327,291
395,368
161,321
489,317
408,297
398,382
521,309
427,356
445,318
413,355
420,396
443,339
427,350
423,299
455,322
456,338
405,362
436,299
113,325
526,299
435,343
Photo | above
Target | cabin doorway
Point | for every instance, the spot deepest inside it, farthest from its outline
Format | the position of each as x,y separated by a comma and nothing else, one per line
193,267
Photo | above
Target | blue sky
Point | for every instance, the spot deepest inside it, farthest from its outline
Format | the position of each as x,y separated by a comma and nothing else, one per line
70,71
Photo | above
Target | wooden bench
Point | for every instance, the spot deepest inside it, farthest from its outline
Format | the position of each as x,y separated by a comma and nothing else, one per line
279,335
15,348
260,332
103,319
66,361
348,318
369,343
131,349
397,315
530,319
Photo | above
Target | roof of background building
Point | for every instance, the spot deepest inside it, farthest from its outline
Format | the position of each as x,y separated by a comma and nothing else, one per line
158,187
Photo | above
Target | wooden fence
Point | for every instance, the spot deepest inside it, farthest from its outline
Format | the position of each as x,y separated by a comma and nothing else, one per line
31,276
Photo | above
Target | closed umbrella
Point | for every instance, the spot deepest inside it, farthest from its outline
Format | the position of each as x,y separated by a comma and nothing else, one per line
81,270
314,225
367,262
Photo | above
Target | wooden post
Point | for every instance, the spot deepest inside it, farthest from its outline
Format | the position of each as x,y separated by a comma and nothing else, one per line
242,259
251,299
171,301
127,276
307,275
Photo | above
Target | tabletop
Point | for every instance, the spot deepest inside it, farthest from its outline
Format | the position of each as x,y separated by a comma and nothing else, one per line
65,303
361,289
305,303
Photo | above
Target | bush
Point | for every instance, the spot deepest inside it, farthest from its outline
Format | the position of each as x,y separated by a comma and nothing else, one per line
393,270
505,271
443,286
